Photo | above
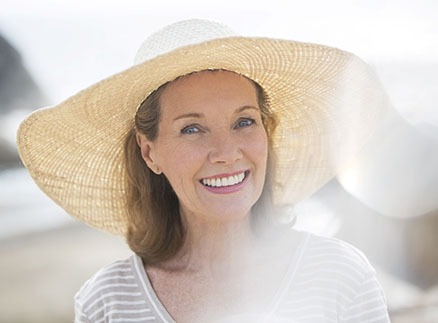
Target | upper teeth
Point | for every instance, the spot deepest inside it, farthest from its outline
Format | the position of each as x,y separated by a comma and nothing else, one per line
224,181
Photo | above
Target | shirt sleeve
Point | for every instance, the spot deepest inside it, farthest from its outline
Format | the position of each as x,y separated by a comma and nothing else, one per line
369,304
80,316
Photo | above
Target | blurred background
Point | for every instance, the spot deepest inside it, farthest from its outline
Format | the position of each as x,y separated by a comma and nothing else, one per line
385,201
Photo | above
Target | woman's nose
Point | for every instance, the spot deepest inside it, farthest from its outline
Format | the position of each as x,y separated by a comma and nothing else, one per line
224,149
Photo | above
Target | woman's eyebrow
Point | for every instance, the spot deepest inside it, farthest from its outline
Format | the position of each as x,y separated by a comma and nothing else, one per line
189,115
246,107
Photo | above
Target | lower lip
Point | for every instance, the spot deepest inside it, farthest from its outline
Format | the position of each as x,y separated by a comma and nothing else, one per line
228,189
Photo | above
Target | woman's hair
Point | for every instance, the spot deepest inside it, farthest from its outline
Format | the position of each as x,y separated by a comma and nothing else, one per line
155,231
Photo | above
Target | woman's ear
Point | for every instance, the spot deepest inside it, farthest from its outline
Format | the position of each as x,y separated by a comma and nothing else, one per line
147,152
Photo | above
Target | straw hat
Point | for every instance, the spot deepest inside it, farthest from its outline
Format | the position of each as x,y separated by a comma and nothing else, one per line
327,101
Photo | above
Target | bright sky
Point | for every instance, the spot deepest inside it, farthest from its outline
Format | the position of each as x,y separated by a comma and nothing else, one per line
69,44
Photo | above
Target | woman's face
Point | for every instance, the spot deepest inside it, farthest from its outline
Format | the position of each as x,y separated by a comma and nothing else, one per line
211,145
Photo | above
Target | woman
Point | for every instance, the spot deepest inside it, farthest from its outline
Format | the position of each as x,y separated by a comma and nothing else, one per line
195,154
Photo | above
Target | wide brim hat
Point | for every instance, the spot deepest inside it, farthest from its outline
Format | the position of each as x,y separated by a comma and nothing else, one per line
327,102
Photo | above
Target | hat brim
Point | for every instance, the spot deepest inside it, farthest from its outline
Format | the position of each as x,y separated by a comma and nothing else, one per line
327,102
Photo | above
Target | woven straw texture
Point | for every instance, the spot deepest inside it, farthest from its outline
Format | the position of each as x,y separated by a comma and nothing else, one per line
328,102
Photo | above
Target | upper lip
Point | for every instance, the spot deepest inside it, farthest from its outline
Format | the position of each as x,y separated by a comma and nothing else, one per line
224,175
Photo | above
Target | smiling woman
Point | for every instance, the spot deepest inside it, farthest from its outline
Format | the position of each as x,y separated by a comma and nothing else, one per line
211,122
194,154
186,113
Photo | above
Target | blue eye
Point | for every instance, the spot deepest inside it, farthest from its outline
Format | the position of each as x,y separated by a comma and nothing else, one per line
189,130
242,123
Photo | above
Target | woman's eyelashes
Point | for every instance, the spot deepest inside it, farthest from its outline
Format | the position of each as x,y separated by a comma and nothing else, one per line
191,129
244,122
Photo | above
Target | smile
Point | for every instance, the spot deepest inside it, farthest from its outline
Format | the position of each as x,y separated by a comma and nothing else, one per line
224,181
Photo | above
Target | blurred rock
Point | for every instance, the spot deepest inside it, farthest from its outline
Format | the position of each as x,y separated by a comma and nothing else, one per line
17,88
18,92
404,247
397,172
8,154
388,200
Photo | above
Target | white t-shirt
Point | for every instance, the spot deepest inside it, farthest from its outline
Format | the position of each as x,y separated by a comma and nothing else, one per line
328,281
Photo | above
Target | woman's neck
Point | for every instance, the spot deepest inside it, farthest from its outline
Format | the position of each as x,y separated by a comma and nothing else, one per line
215,247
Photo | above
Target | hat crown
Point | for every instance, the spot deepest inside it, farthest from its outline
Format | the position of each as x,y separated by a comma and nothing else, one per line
180,34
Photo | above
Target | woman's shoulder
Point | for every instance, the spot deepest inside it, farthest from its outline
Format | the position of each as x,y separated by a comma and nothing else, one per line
331,279
107,286
331,263
116,273
334,252
314,248
116,292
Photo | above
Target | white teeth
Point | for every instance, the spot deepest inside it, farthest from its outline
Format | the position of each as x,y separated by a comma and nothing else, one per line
240,177
224,181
